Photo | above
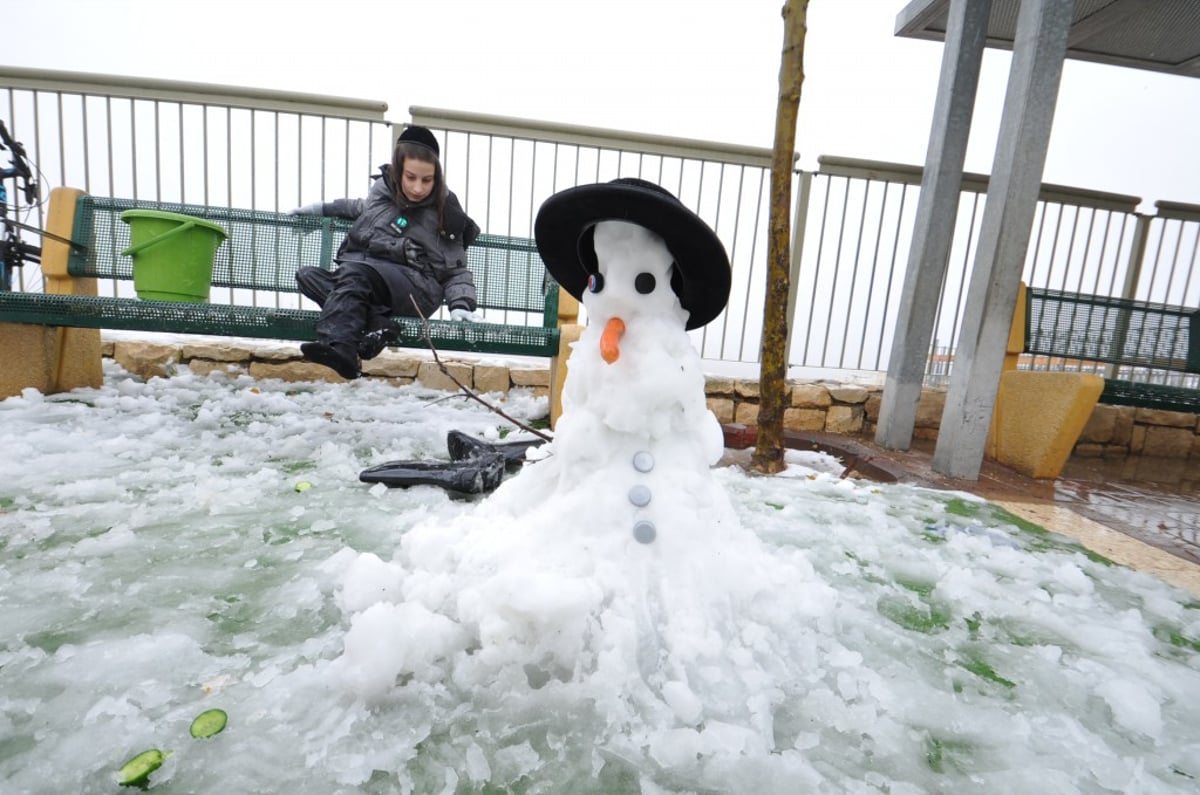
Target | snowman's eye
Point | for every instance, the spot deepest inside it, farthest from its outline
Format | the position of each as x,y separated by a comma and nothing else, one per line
644,283
595,282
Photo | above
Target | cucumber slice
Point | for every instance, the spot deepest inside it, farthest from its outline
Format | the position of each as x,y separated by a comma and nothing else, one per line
208,723
136,772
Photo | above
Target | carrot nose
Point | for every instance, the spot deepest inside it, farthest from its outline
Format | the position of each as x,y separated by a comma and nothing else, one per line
610,340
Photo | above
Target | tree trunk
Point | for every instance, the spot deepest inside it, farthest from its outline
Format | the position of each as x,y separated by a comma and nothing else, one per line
768,454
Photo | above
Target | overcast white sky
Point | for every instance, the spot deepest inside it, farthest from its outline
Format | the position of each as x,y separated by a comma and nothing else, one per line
703,69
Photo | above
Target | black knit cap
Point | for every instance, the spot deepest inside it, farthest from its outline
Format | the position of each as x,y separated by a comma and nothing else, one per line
563,233
421,136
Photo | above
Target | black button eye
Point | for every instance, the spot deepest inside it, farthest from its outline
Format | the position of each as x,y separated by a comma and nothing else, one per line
644,283
595,282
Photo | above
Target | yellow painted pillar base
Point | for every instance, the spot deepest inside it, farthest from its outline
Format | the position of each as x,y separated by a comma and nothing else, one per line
48,358
1038,418
569,331
558,368
52,359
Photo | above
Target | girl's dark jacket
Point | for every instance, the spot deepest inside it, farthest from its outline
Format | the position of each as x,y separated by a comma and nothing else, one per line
406,247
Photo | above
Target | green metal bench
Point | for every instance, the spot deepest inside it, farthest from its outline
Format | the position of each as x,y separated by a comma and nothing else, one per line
259,261
1123,332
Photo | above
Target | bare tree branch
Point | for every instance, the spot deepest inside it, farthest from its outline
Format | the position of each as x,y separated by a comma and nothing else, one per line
467,390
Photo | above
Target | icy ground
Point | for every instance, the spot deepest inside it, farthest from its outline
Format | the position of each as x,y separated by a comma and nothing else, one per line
157,560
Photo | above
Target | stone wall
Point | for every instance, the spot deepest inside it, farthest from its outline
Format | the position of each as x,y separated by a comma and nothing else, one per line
283,361
846,409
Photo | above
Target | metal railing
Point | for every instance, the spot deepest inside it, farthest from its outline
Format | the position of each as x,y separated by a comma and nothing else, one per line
504,168
852,219
189,143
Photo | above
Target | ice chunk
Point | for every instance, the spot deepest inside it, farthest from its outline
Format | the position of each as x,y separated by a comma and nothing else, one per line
1133,706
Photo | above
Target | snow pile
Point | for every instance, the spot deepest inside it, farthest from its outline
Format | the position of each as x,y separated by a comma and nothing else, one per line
824,635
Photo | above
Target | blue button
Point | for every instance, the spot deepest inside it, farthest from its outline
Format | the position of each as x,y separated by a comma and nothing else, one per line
639,495
644,531
643,461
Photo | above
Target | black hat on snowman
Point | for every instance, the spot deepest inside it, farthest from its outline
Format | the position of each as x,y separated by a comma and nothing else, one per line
565,223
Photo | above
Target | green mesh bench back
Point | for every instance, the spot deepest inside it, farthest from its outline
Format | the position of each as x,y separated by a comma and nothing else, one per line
509,274
1112,330
265,249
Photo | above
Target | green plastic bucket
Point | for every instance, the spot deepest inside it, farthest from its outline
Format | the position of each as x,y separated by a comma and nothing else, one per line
172,254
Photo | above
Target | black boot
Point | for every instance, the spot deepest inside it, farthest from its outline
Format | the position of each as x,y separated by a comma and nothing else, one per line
472,476
464,447
340,357
373,342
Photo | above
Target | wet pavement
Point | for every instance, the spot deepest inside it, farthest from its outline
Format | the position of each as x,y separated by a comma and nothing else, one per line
1141,512
1156,501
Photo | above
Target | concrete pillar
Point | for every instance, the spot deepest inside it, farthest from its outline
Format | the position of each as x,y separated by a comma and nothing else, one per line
1038,52
937,207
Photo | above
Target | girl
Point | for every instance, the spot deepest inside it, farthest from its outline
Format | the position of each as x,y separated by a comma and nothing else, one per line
408,243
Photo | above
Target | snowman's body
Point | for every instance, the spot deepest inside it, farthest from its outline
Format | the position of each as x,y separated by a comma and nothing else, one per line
636,440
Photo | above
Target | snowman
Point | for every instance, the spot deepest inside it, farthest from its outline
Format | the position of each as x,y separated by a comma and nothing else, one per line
611,574
636,439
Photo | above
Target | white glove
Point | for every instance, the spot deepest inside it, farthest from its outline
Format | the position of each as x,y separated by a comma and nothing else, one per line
463,315
316,208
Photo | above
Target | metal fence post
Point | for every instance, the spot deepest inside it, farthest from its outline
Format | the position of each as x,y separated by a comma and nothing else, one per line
804,191
1133,275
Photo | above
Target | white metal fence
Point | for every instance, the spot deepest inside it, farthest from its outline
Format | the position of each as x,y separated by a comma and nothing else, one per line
852,219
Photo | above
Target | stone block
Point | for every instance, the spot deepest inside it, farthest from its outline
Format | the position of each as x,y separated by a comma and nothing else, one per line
1088,450
203,367
745,388
1123,425
722,408
272,353
431,376
215,351
811,396
746,413
146,359
1168,442
392,365
844,419
1172,419
491,378
872,406
1100,426
851,393
1137,439
295,371
530,376
803,419
718,386
930,406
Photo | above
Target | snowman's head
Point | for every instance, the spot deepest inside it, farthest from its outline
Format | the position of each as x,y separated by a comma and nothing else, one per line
633,273
569,240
